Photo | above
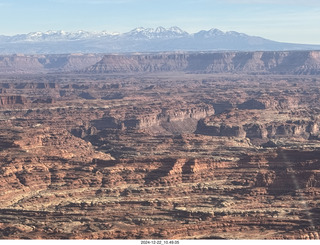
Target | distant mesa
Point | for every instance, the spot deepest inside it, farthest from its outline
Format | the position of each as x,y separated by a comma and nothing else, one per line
281,62
231,62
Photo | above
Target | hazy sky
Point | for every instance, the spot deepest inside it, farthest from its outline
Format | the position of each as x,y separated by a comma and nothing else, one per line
281,20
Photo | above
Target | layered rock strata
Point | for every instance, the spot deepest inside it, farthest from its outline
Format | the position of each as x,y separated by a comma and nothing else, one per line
171,156
279,62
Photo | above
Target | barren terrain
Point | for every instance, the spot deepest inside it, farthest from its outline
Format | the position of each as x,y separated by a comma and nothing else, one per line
161,147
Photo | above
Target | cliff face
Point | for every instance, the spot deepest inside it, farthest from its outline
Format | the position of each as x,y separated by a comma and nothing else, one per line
45,63
295,62
286,62
140,63
266,125
177,120
12,100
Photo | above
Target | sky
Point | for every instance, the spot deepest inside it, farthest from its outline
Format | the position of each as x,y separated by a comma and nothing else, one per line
295,21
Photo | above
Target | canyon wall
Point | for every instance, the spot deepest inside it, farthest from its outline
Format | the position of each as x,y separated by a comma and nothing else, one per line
168,155
22,63
279,62
294,62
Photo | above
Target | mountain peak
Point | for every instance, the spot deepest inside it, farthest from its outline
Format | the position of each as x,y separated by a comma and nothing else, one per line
177,30
139,39
157,33
160,29
215,31
238,34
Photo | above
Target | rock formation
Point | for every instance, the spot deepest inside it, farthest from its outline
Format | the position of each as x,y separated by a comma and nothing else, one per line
182,152
278,62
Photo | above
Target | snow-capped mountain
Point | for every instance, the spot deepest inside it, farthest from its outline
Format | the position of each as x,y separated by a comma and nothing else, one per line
58,36
208,34
137,33
157,33
139,40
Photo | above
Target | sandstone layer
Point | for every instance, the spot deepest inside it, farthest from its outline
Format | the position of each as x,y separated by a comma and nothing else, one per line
168,155
287,62
258,62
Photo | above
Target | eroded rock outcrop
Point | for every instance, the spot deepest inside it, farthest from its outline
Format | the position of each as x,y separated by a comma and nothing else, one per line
174,120
279,62
46,63
189,156
266,126
12,100
289,62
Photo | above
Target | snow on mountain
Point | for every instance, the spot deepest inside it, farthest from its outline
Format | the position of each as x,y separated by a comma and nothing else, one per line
139,40
139,33
157,33
209,34
214,33
58,36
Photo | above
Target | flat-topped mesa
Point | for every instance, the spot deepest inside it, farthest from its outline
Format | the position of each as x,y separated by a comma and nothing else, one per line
46,63
257,125
255,62
140,63
164,118
281,62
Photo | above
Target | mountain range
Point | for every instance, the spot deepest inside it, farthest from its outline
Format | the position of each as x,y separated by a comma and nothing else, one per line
140,40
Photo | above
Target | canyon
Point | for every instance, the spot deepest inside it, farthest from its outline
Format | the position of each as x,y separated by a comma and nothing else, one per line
219,145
